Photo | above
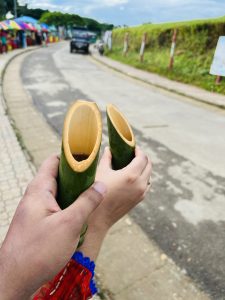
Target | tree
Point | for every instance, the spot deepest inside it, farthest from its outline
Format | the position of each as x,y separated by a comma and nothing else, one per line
3,9
10,5
59,19
6,6
31,12
55,18
92,24
65,19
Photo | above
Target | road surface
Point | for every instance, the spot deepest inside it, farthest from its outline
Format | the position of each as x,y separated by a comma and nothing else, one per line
185,212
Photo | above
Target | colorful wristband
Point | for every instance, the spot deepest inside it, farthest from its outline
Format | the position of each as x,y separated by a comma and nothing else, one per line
75,281
88,264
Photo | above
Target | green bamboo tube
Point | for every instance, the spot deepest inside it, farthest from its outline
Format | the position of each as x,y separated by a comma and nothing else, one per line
121,138
81,141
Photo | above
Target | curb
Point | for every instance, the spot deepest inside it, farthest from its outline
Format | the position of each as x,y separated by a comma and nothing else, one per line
112,65
2,74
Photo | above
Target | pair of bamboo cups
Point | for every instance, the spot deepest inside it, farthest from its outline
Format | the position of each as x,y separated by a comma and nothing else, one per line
81,142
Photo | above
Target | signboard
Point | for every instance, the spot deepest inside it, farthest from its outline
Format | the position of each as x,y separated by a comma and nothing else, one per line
218,64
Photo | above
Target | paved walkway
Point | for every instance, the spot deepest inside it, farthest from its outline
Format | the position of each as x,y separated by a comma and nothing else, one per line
162,82
15,169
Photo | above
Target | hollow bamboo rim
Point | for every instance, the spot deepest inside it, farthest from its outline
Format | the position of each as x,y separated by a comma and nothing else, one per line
112,112
81,166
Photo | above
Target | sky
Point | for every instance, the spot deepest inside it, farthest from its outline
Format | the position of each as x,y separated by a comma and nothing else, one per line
135,12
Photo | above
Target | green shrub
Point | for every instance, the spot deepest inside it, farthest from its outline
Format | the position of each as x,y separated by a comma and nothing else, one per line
196,42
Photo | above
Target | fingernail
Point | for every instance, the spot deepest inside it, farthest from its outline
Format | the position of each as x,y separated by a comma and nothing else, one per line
100,188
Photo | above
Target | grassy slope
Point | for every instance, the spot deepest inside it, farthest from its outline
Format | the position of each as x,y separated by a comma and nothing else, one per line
196,42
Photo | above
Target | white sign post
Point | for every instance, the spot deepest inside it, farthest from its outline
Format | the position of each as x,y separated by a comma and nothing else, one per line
125,46
218,64
110,41
142,49
172,50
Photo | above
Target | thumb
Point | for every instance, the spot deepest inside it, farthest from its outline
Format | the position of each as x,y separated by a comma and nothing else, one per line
106,160
86,203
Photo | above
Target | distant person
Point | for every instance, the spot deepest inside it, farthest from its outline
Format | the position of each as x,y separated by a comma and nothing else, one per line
24,39
101,48
44,39
4,42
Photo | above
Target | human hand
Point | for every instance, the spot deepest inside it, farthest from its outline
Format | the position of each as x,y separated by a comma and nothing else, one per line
42,237
125,188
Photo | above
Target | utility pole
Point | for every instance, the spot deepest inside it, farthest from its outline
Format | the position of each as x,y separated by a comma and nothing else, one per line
15,9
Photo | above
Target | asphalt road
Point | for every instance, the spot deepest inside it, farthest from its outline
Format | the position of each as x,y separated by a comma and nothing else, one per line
185,212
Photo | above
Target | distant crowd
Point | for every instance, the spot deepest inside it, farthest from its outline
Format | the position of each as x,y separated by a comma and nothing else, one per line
10,40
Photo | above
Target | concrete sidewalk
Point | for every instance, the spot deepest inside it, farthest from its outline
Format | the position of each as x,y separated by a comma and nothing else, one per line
15,168
187,90
130,266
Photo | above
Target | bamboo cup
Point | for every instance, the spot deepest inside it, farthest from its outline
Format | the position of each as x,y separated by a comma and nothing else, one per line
81,141
121,138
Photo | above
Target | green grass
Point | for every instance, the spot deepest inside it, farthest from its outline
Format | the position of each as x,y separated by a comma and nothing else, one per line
196,42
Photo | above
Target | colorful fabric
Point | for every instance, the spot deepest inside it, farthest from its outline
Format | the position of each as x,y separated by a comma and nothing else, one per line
3,26
4,40
74,282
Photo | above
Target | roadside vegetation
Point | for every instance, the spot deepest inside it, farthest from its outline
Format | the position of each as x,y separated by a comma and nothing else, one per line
195,47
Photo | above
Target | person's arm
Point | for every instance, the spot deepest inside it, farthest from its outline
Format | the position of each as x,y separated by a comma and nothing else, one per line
42,238
125,189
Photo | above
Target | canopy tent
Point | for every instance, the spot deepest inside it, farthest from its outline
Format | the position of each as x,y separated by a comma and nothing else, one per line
32,27
44,27
12,25
38,27
26,23
3,26
52,28
26,19
23,25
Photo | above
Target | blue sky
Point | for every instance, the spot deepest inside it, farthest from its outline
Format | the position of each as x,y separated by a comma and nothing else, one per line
134,12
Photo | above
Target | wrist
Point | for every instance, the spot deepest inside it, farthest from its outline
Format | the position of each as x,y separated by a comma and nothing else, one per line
100,224
93,240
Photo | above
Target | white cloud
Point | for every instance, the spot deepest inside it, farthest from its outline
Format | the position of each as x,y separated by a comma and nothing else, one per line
101,4
135,12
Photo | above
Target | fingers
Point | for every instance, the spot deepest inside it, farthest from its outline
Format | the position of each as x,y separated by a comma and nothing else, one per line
46,176
78,212
106,160
145,176
50,166
138,164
